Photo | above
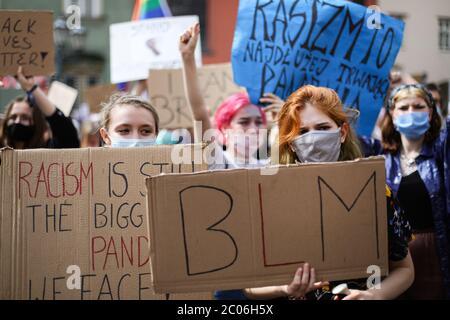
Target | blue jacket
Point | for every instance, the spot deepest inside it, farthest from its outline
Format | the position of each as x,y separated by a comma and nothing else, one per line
433,167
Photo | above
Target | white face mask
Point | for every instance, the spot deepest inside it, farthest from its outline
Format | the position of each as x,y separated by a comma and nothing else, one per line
318,146
246,144
132,143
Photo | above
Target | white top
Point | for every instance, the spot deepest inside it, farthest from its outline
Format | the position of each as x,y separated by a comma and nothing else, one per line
225,160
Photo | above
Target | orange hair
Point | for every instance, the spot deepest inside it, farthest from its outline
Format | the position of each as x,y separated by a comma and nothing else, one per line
289,122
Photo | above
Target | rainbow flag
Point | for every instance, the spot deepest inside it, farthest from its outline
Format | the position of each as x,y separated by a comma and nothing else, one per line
147,9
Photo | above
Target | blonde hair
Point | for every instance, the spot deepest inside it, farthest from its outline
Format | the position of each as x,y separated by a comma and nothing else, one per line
119,99
391,139
408,92
327,101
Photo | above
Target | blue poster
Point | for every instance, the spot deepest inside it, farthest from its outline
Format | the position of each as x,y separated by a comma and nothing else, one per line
281,45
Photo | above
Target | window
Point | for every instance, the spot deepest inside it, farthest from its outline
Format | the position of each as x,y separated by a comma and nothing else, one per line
444,34
90,9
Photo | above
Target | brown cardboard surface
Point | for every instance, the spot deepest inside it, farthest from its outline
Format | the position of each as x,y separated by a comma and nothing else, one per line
95,95
238,229
167,93
84,208
26,39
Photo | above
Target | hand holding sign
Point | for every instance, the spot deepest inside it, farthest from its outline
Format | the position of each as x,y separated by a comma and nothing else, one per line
304,282
272,102
273,105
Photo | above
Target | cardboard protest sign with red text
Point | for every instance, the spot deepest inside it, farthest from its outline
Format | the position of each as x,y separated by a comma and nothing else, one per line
75,226
26,39
238,229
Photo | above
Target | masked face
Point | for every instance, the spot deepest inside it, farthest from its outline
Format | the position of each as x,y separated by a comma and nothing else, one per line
130,126
132,143
243,134
411,117
320,138
19,132
318,146
245,144
20,123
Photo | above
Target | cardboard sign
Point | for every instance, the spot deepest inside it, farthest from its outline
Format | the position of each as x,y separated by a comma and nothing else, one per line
238,229
167,92
75,225
26,39
96,95
280,46
62,96
138,46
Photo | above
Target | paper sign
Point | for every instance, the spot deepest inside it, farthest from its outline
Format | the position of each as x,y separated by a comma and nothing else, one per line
239,229
62,96
281,45
138,46
168,96
26,39
75,224
96,95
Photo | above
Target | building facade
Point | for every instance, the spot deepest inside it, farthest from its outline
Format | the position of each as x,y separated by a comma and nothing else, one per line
425,52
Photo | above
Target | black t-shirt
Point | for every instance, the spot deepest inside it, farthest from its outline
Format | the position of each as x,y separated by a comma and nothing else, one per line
399,235
415,201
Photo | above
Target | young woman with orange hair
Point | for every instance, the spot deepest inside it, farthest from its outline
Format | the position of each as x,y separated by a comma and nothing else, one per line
313,127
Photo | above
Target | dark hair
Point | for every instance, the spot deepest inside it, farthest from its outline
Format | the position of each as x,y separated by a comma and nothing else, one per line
39,124
432,86
390,136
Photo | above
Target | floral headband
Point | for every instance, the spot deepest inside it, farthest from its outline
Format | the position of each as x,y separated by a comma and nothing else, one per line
421,87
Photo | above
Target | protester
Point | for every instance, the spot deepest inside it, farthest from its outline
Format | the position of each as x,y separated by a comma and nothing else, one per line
27,120
417,160
313,127
396,78
129,121
237,120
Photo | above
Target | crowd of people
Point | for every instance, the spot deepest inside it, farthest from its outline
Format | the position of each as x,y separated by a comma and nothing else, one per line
310,126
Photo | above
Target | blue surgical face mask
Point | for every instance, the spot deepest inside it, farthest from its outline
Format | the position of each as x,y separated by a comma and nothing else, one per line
412,125
132,143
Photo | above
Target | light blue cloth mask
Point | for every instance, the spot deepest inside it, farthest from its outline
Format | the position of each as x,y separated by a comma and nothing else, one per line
412,125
